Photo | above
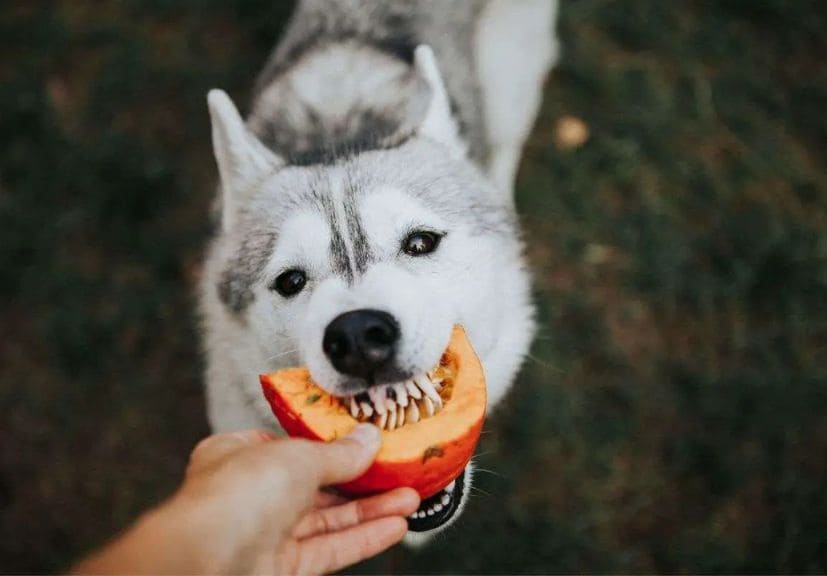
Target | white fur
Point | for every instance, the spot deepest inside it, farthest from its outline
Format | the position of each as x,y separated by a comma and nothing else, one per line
425,321
361,73
475,278
242,160
438,124
516,46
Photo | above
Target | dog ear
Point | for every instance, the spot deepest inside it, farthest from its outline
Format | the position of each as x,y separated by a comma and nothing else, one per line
438,124
242,159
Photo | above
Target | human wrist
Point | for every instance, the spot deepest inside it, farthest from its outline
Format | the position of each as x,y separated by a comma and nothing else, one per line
195,538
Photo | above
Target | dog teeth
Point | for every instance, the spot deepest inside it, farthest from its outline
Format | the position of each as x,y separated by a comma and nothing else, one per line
393,417
429,406
450,487
376,398
401,394
430,392
400,417
412,413
392,405
435,380
415,392
435,508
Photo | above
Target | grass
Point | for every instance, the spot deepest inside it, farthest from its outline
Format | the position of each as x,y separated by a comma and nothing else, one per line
672,415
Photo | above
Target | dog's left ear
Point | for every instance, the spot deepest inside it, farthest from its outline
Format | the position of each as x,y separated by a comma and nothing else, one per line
242,159
438,124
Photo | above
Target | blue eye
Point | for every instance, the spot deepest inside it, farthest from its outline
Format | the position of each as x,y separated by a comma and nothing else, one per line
421,243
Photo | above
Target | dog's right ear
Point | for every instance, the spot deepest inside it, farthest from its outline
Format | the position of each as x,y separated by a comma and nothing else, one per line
439,124
243,160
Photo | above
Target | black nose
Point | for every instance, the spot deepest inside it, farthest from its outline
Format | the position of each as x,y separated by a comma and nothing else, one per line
360,342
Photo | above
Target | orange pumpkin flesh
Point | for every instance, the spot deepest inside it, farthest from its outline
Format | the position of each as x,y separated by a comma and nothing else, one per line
426,455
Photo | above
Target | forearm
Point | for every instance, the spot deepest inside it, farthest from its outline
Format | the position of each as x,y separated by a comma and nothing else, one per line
169,539
240,502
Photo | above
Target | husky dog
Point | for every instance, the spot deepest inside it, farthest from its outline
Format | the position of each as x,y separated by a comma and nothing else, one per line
366,207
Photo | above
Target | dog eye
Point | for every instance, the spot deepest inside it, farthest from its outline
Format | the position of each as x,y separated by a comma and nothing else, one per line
290,283
420,243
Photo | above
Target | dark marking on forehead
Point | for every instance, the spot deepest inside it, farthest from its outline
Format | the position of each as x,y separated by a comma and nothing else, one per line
338,249
308,139
358,237
243,269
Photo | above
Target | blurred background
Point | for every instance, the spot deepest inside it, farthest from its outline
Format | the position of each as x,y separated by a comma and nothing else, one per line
673,414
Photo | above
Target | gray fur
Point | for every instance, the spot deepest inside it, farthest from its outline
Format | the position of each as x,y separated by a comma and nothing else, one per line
373,31
243,269
338,249
362,253
248,248
444,190
368,135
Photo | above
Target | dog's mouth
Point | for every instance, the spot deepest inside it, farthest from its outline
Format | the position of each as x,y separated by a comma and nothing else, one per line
435,511
391,406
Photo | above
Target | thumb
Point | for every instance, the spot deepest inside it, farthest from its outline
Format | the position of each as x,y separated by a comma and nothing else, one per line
349,457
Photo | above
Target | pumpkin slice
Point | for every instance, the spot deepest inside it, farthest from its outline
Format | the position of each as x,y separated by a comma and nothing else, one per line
426,455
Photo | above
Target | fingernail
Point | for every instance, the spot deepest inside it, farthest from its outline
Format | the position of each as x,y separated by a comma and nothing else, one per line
366,434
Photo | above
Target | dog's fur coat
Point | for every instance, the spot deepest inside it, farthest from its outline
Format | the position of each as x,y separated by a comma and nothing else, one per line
355,140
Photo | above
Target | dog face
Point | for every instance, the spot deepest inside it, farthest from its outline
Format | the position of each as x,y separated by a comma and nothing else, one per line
360,268
372,269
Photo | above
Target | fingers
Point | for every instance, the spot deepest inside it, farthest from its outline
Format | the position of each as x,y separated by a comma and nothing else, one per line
327,499
309,465
399,502
347,458
214,449
331,552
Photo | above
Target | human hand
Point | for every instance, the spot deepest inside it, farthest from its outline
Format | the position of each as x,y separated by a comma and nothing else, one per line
252,503
292,526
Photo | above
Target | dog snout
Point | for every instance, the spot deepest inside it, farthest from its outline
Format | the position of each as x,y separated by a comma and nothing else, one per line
360,342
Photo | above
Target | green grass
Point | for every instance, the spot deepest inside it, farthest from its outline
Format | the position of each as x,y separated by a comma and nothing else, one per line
672,416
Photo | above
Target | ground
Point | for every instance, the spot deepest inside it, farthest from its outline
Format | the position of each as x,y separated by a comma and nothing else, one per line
671,417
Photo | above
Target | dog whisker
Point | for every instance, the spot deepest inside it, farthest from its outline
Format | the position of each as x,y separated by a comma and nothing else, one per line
480,491
487,471
546,365
281,354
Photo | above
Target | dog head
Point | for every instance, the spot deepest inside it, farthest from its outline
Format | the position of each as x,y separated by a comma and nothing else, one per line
359,268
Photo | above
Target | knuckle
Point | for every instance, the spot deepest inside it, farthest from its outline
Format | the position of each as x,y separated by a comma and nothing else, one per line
325,524
360,511
204,445
203,452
